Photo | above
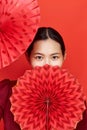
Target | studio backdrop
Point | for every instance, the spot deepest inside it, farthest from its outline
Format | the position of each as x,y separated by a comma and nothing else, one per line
70,19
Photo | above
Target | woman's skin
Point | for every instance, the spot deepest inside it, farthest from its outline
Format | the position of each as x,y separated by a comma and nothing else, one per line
46,52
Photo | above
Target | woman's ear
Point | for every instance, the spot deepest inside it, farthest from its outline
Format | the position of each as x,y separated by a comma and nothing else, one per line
27,57
65,56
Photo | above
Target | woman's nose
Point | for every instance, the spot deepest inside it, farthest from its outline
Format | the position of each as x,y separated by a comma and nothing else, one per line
47,61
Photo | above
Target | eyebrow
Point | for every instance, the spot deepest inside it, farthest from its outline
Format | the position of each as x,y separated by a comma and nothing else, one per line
55,53
37,53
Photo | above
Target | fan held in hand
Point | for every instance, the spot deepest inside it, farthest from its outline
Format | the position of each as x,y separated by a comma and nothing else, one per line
47,98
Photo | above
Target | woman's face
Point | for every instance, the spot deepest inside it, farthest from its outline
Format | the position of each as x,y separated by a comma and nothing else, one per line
46,52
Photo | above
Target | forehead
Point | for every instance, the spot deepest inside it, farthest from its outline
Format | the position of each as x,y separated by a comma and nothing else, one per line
47,46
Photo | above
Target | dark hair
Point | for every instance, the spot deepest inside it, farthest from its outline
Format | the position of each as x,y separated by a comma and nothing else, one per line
44,33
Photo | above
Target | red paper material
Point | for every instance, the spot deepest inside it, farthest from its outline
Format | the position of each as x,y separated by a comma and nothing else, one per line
19,21
47,98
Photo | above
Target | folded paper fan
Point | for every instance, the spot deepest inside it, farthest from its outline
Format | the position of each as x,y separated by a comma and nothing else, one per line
19,21
47,98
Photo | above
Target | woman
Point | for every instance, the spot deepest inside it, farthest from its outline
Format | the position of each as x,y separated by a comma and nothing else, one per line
47,48
5,93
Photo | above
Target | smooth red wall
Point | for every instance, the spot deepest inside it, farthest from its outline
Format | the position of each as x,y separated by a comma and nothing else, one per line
70,19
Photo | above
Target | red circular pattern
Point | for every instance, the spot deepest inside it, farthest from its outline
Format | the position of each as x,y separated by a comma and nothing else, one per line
47,98
19,21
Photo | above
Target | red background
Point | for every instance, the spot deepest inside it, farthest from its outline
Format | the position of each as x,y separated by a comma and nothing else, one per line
70,19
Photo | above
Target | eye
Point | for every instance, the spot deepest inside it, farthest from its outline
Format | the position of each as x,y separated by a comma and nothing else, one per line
39,58
55,57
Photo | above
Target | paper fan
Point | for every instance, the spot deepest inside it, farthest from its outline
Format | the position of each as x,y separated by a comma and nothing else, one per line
19,21
47,98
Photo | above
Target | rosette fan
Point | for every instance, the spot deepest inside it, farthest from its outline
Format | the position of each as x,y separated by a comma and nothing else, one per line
47,98
19,21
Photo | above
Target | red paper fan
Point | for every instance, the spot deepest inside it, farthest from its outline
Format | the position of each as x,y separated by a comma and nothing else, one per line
47,98
19,21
